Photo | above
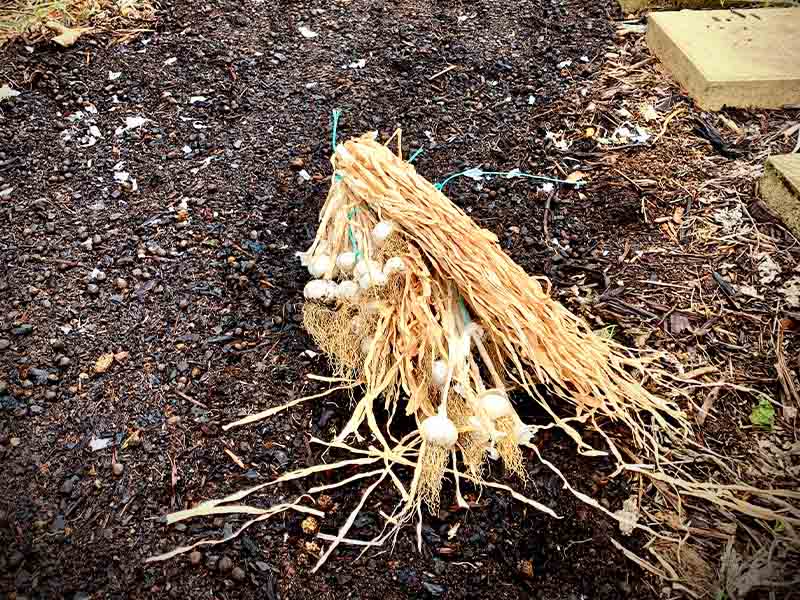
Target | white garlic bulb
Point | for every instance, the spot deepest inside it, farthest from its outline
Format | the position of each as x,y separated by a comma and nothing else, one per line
439,373
347,289
367,266
365,345
346,261
382,231
320,265
495,404
376,279
439,430
394,265
317,289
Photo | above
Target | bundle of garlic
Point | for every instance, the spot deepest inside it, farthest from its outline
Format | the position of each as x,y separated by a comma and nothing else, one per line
420,308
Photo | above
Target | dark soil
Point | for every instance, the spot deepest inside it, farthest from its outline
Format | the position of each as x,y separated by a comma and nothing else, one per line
200,290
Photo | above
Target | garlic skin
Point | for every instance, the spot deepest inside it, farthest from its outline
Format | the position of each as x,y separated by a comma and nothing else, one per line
394,265
346,289
382,231
495,405
346,261
439,373
522,433
439,430
368,280
318,289
320,265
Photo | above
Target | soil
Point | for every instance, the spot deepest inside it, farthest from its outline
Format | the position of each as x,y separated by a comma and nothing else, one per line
188,277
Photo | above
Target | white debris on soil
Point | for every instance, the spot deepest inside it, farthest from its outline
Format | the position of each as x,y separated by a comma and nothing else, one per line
307,33
730,218
558,140
768,269
749,290
628,516
7,92
791,291
130,124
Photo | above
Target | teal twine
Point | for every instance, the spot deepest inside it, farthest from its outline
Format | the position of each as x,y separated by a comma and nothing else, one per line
440,186
415,155
350,234
335,114
464,311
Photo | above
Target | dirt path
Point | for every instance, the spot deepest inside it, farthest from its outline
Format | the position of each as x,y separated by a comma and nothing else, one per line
171,246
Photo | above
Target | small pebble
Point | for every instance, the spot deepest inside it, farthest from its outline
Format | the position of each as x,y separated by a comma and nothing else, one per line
117,469
225,564
183,304
195,558
121,284
238,574
92,289
24,329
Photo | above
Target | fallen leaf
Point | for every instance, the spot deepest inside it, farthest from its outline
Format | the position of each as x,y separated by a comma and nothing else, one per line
451,533
66,37
648,112
104,362
791,290
576,177
763,414
768,269
749,290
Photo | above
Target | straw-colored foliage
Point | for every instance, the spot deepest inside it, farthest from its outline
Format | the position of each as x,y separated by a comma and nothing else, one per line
64,21
446,337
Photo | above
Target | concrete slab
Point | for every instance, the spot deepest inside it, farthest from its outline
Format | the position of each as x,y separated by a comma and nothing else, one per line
780,188
743,59
635,6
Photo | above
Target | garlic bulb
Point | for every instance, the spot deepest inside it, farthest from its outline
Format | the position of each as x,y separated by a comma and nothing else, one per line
368,280
346,261
317,289
346,289
495,404
367,266
394,265
320,265
365,345
439,373
381,231
439,430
